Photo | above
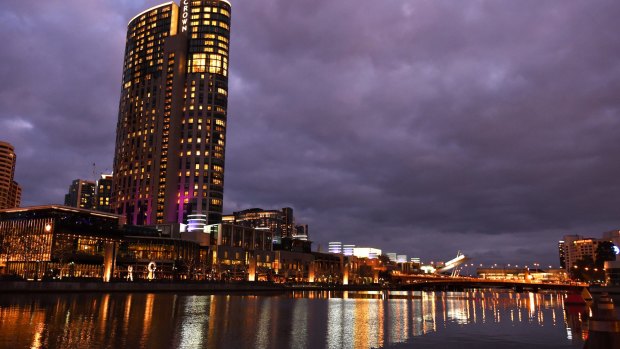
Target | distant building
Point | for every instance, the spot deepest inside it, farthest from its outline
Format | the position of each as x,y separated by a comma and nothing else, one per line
281,223
366,252
81,194
103,193
335,247
562,253
10,191
576,247
391,256
301,232
348,250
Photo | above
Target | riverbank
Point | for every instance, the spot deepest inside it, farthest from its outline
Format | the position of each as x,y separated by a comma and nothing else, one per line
192,287
237,286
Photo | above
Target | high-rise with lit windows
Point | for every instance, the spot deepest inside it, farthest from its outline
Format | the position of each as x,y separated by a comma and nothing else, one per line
10,191
81,194
171,131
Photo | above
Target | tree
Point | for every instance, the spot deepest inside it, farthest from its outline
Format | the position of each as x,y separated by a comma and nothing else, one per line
604,253
586,270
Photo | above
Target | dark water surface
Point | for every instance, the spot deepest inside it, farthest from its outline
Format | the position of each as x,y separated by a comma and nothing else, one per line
292,320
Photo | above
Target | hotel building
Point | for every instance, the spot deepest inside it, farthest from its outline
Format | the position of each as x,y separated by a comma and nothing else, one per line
171,131
10,191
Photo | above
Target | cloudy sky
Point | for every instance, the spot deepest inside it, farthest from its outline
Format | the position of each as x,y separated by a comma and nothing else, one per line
415,126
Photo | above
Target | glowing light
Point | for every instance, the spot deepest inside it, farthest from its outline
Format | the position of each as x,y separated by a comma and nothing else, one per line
616,249
197,222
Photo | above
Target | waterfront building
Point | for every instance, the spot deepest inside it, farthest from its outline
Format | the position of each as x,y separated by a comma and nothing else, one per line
237,251
523,274
57,241
51,242
103,193
81,194
10,191
171,130
391,256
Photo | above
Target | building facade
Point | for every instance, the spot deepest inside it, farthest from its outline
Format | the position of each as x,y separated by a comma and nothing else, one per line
171,131
104,193
281,223
10,191
81,194
58,241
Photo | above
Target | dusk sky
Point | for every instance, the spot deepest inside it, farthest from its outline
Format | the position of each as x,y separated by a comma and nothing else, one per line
417,127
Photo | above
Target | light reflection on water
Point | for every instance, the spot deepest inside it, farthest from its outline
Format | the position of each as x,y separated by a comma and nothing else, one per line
481,319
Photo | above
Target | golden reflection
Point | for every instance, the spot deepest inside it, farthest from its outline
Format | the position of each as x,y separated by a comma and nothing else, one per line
36,341
363,320
263,330
148,316
192,327
334,322
126,314
299,333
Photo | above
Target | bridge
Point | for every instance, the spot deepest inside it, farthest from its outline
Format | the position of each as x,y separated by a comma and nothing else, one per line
421,282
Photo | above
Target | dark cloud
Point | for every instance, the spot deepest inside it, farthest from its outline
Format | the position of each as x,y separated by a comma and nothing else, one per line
421,127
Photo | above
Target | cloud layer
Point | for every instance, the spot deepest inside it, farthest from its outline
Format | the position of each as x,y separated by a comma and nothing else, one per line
419,127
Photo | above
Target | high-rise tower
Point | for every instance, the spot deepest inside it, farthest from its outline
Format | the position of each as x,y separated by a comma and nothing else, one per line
171,131
10,191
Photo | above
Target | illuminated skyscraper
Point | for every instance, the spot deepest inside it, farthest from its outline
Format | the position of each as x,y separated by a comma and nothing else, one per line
10,191
171,131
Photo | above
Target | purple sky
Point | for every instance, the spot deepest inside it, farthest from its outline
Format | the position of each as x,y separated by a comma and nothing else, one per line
417,127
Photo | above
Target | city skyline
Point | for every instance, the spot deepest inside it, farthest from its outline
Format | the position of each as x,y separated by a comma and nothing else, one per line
411,127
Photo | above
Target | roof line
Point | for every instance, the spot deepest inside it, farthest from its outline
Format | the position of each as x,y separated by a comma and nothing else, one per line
149,9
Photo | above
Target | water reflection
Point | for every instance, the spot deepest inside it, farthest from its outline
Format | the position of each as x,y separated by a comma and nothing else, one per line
295,320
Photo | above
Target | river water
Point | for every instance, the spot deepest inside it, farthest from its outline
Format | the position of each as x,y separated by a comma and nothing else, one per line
477,319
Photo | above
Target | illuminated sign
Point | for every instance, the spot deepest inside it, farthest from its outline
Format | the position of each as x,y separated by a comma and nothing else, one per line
184,15
616,249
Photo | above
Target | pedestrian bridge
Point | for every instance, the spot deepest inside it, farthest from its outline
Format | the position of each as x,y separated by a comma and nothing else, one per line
447,283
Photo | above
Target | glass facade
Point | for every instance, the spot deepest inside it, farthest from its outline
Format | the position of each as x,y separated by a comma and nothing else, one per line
56,241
